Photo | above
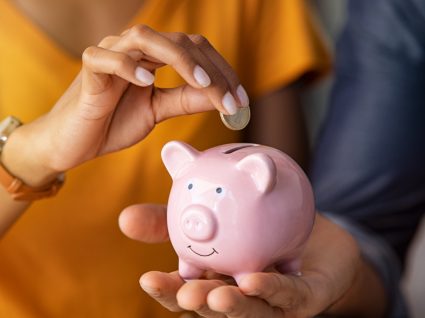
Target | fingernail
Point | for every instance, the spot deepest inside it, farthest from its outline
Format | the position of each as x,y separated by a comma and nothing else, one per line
154,292
144,76
201,76
243,96
229,103
253,292
187,315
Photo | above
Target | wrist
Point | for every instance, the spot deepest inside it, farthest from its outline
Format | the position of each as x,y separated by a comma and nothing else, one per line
25,156
365,298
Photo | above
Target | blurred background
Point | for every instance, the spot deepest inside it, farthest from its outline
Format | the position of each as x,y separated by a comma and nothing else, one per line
331,14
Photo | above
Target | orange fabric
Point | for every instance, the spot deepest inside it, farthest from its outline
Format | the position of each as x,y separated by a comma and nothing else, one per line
66,256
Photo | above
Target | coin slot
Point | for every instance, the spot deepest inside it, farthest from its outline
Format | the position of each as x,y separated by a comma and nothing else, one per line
236,149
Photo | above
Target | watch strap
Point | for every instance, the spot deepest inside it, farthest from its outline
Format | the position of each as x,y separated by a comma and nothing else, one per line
16,187
21,192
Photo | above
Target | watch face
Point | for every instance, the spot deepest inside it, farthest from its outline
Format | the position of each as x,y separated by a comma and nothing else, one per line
8,125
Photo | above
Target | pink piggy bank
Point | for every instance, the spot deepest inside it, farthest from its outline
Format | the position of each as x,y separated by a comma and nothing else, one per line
236,209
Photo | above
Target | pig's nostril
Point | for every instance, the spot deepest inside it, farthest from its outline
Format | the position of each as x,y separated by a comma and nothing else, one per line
198,223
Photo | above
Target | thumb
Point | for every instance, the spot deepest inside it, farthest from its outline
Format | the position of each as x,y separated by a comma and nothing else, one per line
144,222
177,101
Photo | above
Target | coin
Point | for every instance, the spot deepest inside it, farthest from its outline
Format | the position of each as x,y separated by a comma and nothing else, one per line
237,121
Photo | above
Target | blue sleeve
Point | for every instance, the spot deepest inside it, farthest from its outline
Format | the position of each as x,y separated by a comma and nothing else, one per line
368,167
369,162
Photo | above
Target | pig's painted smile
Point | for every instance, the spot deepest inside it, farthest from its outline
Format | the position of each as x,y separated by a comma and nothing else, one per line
204,255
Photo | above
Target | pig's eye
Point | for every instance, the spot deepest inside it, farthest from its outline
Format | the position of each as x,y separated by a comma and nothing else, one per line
219,190
190,186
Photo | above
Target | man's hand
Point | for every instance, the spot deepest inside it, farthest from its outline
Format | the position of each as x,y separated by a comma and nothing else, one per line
331,271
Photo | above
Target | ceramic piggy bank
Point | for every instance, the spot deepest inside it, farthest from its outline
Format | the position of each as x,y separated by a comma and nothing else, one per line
236,209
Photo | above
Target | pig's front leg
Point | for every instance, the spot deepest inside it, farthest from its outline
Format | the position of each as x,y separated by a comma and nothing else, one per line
188,271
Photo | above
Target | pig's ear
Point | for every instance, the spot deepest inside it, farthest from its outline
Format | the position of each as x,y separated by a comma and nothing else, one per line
261,169
175,154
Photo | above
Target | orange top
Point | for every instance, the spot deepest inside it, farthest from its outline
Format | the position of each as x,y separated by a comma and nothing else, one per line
66,256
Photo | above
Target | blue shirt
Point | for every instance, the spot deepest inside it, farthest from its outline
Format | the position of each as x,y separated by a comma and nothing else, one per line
368,169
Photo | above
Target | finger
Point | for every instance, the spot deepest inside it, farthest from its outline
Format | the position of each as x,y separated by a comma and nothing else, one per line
193,296
220,63
284,291
230,301
144,222
159,47
148,63
182,100
185,58
163,288
124,32
108,42
99,64
213,79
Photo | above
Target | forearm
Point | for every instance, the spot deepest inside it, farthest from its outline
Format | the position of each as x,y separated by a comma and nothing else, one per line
347,285
365,298
10,209
375,291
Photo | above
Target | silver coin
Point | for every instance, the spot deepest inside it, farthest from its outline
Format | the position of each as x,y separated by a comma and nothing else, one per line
237,121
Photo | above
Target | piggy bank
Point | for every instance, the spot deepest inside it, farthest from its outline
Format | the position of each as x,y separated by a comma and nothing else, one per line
236,209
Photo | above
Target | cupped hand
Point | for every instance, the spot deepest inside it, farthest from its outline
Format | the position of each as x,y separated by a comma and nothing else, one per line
113,103
330,263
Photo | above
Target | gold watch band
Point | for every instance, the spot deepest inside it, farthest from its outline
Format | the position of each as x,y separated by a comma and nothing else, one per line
16,187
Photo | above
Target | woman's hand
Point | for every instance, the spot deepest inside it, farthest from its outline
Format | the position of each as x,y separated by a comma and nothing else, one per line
112,104
331,272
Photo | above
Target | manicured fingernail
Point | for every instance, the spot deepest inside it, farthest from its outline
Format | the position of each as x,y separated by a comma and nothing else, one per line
144,76
243,96
201,76
229,103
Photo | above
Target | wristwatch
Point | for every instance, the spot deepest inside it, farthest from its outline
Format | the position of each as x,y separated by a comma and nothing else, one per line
17,188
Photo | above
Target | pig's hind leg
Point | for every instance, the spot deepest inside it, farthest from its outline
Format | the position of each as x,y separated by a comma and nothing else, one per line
188,271
292,267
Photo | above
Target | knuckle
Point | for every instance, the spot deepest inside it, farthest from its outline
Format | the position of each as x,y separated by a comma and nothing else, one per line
140,30
182,56
106,41
89,54
124,32
199,40
121,61
182,39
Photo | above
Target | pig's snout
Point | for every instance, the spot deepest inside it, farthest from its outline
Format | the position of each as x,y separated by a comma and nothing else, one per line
198,223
